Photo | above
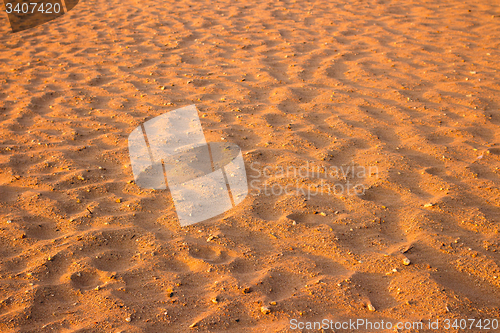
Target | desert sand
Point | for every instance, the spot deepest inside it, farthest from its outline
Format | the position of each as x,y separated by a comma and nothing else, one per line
408,89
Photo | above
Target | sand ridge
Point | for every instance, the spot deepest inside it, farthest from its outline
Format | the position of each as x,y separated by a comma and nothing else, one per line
409,87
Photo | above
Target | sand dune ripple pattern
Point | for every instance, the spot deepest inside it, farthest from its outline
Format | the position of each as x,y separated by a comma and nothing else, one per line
411,87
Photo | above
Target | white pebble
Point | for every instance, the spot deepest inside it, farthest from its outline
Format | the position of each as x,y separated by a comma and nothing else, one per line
265,310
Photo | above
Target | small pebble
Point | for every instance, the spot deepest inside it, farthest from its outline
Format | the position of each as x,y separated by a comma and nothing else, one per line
406,261
128,319
211,237
265,310
371,307
427,205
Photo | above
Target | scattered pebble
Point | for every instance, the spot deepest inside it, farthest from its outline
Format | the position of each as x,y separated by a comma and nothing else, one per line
215,300
427,205
128,319
265,310
211,237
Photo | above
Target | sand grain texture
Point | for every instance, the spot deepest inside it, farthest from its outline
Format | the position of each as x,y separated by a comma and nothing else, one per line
408,88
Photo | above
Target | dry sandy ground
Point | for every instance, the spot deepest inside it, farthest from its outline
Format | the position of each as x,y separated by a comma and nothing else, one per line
409,88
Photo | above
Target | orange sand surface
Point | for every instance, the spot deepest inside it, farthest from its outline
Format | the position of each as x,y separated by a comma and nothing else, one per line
409,88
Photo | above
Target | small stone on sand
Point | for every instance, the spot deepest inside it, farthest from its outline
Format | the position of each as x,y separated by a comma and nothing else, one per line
265,310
